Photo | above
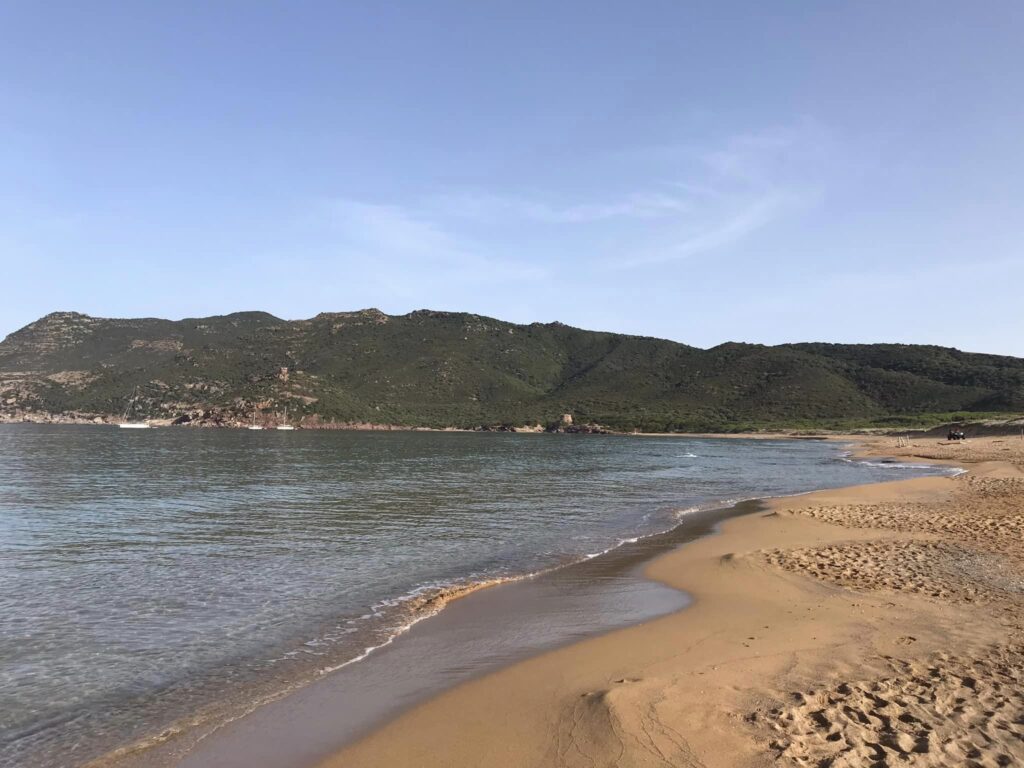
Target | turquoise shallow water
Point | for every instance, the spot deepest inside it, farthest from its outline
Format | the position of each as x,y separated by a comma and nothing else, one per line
146,574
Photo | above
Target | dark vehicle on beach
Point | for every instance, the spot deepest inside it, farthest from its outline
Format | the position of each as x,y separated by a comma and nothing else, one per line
956,434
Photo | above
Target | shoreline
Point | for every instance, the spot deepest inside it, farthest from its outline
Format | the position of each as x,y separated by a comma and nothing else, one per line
63,420
196,726
150,754
1013,426
446,595
189,744
630,693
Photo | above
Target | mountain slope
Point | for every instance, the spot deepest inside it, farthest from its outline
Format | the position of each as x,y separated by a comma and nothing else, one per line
454,369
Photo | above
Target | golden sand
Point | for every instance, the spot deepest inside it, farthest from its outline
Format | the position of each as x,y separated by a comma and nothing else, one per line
873,626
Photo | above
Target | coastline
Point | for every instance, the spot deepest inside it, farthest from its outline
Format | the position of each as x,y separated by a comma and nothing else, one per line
284,728
865,449
815,591
652,486
211,726
1013,426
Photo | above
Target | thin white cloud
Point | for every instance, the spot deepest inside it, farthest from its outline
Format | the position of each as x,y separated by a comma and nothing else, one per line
407,250
391,230
686,201
736,227
486,206
735,190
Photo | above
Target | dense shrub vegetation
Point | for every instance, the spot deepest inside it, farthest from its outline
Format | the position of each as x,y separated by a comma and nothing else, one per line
452,369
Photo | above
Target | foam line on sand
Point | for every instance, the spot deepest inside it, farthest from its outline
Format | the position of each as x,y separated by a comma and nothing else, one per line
878,625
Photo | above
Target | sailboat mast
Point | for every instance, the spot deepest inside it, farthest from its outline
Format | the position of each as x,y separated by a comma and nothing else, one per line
131,402
125,423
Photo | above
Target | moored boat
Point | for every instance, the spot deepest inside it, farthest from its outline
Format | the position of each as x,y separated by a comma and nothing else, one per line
126,424
285,426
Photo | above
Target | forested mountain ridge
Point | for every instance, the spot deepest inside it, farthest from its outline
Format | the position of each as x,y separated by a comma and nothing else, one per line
452,369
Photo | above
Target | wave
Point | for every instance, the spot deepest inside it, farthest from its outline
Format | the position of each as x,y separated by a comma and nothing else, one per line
397,616
402,613
894,465
389,619
952,471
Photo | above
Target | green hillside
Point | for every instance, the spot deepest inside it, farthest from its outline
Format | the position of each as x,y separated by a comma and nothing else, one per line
453,369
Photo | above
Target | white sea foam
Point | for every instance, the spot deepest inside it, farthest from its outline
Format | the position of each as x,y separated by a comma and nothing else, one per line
908,465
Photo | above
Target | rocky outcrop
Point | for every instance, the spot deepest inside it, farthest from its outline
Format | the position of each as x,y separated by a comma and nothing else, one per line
43,417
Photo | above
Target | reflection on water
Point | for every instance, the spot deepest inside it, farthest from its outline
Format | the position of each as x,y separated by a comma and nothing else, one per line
149,573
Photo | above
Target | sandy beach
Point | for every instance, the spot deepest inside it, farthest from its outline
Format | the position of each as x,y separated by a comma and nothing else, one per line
876,625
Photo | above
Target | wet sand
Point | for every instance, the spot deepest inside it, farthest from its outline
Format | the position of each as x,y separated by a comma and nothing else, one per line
476,634
877,625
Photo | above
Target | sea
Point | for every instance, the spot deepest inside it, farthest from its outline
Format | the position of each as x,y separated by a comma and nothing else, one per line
154,582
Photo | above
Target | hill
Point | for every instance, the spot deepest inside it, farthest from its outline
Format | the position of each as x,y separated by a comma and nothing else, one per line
453,369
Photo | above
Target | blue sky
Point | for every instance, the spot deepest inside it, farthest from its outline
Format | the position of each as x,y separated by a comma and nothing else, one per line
704,172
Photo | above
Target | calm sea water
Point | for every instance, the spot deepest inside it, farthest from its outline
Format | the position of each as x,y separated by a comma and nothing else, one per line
144,575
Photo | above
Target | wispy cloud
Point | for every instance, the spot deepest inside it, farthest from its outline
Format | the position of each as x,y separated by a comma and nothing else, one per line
646,205
735,227
407,250
677,203
390,230
734,190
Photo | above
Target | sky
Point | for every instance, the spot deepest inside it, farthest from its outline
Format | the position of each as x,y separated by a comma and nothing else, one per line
698,171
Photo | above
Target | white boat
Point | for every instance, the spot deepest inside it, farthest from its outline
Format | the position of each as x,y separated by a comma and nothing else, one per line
132,424
286,427
254,425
